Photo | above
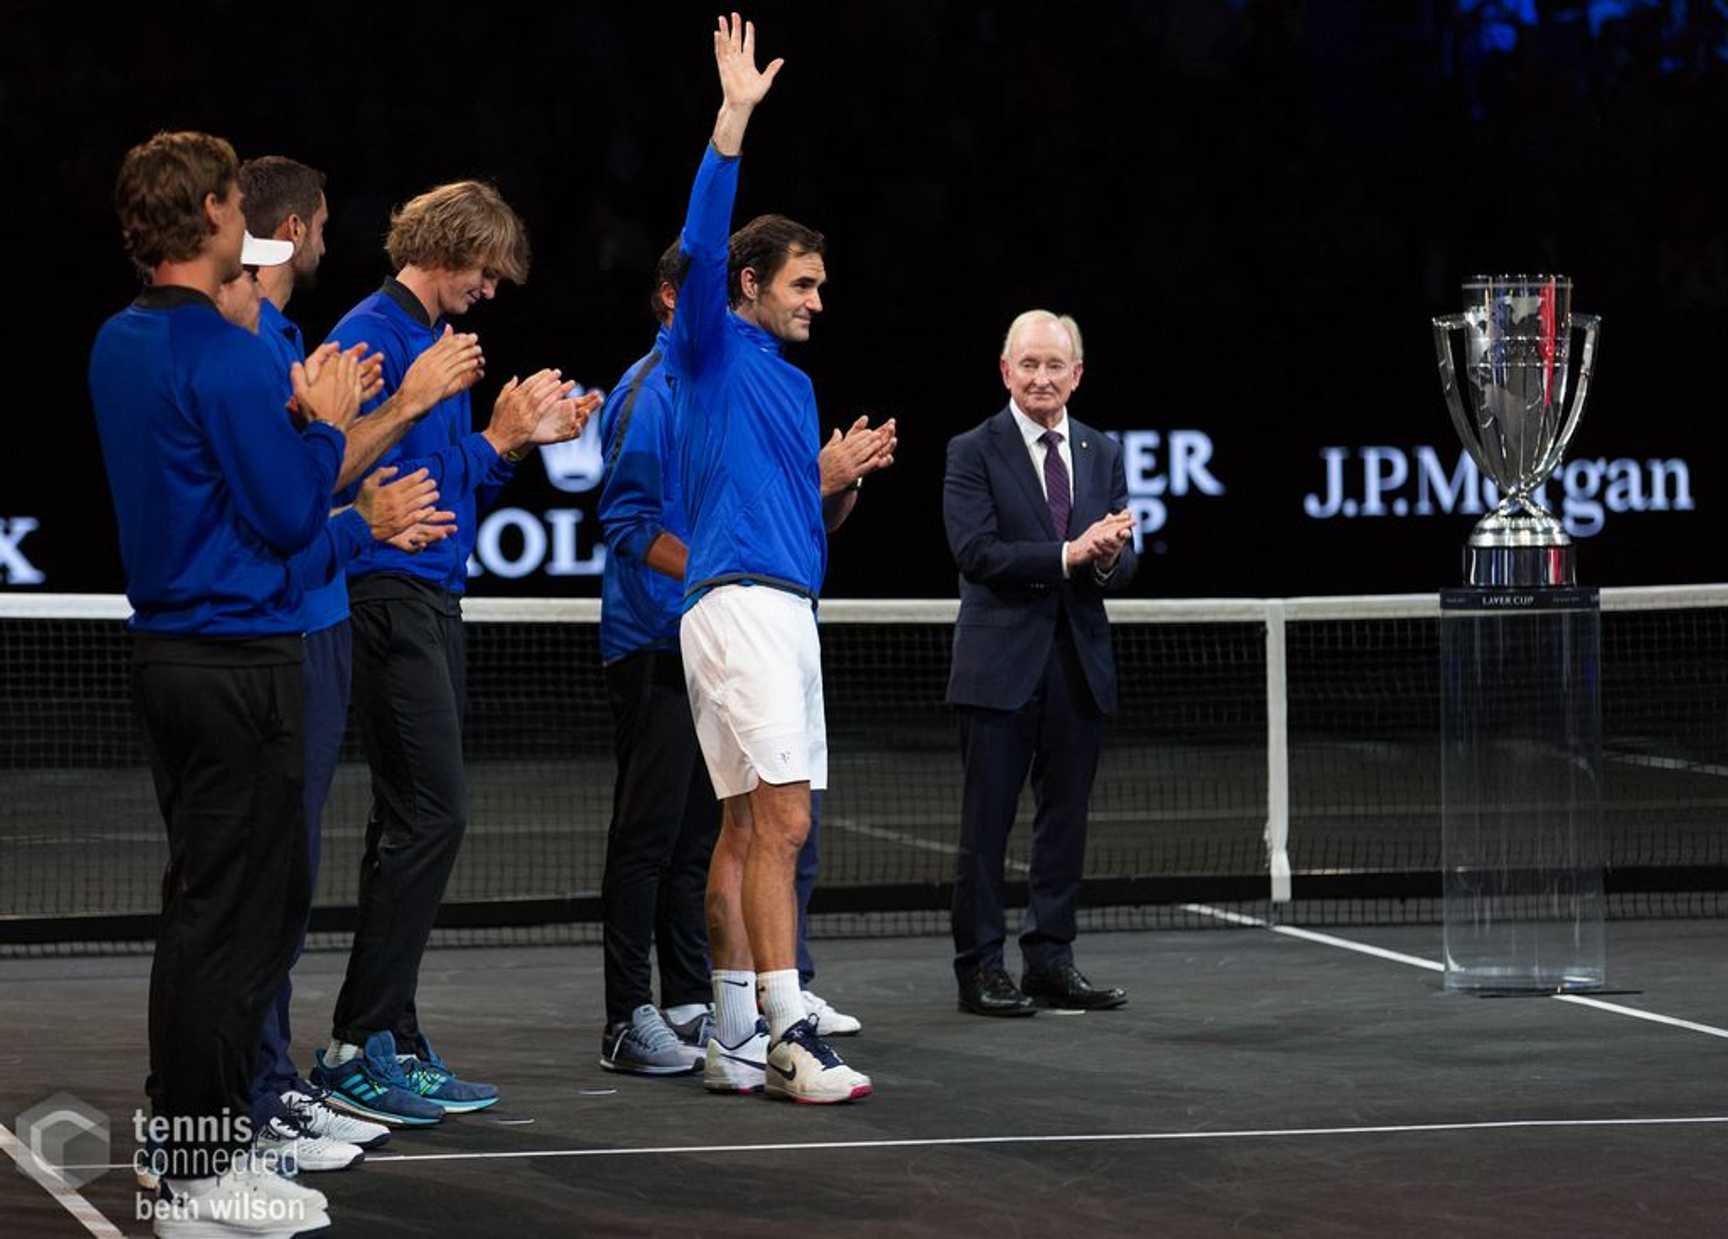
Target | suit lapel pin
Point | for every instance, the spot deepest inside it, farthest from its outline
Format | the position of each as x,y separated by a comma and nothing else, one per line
1082,443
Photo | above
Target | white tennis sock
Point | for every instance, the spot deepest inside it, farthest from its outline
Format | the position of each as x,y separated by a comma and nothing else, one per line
782,1000
734,1006
684,1012
339,1052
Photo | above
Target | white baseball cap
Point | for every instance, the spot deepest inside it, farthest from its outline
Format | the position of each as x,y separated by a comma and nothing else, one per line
259,253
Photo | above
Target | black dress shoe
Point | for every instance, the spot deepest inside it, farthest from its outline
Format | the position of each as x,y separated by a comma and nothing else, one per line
989,991
1065,987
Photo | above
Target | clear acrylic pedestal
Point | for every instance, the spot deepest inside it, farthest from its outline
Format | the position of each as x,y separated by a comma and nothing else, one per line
1521,774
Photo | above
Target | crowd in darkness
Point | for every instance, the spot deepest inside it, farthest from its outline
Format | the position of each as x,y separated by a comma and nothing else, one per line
1189,178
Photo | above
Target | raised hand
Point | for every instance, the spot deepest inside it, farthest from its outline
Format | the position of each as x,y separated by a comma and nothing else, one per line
392,508
454,364
860,451
742,86
735,57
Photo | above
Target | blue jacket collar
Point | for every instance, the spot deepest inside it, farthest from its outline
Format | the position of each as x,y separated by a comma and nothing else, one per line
272,319
767,341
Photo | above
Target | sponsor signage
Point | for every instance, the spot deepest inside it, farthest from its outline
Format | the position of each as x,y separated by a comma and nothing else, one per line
15,567
1381,481
1163,467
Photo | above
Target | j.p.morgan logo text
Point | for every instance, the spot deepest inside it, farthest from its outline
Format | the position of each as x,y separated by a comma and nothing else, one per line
1390,481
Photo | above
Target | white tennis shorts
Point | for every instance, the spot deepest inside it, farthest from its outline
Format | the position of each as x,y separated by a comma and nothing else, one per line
753,665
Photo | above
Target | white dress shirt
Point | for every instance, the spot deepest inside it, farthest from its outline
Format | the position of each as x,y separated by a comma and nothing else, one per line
1032,432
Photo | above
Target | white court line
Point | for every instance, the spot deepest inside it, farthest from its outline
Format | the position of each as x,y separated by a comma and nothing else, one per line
1655,1018
1306,935
1132,1137
1309,935
842,822
87,1214
1265,1133
1667,763
1415,961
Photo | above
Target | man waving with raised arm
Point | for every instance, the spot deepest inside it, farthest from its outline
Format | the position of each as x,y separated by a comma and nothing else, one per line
753,489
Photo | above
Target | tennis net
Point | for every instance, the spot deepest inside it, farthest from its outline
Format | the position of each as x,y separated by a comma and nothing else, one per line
1278,756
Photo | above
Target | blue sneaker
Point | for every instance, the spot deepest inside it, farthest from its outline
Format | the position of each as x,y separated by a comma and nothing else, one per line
374,1086
431,1078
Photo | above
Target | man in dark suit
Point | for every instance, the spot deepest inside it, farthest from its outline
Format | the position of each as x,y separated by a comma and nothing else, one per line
1034,507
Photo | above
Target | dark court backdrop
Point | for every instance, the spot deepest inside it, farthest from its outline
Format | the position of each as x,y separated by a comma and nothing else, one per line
1253,209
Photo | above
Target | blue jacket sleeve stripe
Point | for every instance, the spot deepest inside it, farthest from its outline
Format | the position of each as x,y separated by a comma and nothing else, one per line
630,498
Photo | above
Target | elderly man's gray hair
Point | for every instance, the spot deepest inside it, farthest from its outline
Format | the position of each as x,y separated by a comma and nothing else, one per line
1044,316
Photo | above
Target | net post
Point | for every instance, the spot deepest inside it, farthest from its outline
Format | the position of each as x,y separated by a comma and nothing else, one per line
1277,755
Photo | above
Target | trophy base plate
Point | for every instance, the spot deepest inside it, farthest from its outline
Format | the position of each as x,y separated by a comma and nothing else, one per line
1519,567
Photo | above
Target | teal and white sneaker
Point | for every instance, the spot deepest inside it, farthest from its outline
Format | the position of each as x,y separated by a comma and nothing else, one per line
431,1077
645,1046
374,1086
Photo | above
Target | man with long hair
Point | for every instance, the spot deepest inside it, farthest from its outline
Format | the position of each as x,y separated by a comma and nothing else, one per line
450,248
285,202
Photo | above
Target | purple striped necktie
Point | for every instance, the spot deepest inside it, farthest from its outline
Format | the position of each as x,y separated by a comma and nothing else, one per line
1056,489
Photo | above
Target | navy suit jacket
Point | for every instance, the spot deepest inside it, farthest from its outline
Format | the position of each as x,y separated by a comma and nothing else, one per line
1011,585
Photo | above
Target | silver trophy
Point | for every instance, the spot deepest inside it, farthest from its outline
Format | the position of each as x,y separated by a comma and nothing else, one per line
1517,339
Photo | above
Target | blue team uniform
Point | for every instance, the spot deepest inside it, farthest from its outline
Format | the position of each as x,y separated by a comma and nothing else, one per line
223,514
324,620
223,509
325,604
638,502
467,469
747,425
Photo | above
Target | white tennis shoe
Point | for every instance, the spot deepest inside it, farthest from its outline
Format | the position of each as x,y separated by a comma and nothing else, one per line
315,1118
737,1068
251,1201
296,1149
829,1022
803,1067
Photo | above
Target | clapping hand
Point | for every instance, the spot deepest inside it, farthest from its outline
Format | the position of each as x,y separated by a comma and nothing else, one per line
1103,540
393,508
328,386
454,364
845,458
